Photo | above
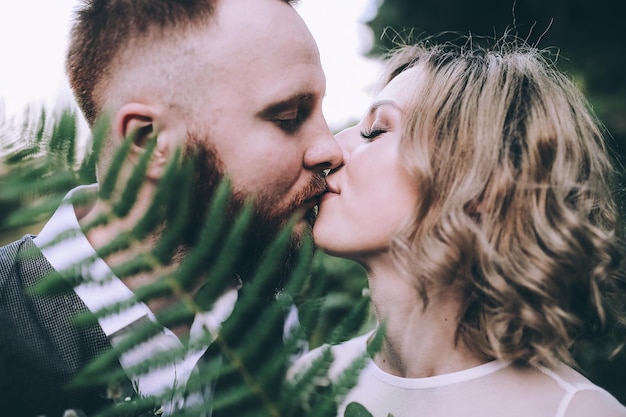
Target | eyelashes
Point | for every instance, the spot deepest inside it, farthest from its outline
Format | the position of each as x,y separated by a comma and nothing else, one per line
292,122
373,133
289,125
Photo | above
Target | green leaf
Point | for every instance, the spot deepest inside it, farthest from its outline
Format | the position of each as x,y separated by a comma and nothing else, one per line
356,410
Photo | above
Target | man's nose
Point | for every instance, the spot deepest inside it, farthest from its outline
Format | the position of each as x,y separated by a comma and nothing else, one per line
325,154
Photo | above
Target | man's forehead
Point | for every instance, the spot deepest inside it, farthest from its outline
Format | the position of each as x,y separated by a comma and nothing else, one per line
243,58
255,23
264,50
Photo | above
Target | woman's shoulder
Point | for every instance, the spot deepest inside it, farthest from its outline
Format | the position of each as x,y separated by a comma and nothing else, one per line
599,402
582,397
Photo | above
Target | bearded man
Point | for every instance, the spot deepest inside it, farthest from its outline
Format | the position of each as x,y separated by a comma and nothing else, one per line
238,85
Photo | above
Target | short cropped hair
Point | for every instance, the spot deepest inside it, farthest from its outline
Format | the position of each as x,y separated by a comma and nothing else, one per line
516,203
102,28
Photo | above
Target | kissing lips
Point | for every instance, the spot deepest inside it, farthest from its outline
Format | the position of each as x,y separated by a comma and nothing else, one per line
326,196
311,195
329,193
306,202
313,200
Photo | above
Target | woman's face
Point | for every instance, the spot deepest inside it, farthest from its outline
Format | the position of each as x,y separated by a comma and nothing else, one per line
371,195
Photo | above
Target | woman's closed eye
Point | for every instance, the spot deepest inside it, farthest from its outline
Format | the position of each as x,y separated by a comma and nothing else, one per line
372,133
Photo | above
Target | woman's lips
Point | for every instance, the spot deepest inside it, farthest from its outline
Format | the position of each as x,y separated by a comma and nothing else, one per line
327,195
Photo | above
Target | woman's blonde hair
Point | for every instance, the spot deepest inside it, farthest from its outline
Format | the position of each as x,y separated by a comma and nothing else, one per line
516,201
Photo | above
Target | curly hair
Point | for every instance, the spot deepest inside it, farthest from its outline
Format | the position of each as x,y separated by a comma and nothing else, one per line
516,206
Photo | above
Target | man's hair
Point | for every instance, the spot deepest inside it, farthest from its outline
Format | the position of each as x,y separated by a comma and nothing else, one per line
516,205
103,28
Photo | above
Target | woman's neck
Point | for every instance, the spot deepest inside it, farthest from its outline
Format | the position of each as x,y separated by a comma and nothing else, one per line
418,342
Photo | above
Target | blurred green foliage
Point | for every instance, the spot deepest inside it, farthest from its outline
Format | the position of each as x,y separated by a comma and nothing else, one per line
38,165
343,292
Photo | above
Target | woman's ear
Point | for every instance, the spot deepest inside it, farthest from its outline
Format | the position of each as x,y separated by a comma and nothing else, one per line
142,123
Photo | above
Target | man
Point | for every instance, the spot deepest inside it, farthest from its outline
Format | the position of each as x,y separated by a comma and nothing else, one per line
237,82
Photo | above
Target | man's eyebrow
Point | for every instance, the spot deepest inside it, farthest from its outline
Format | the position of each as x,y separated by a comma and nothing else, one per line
285,104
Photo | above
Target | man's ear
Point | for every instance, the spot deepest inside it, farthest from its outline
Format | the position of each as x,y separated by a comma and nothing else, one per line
142,123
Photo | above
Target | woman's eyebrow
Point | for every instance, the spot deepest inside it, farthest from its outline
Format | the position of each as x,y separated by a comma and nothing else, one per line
377,104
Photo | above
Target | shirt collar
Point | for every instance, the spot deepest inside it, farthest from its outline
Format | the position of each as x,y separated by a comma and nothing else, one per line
104,287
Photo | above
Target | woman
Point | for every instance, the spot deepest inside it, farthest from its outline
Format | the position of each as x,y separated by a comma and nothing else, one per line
477,194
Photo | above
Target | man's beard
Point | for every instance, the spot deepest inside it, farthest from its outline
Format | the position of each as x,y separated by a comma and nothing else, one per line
267,220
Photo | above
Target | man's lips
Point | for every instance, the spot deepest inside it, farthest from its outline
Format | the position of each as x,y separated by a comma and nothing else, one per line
316,196
313,200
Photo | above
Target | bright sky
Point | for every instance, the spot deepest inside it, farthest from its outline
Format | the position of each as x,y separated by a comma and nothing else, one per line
33,39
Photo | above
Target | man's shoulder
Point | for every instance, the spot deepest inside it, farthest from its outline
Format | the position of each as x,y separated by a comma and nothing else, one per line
12,248
21,265
10,254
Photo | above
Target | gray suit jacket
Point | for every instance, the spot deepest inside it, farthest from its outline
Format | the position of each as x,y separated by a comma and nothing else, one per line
40,348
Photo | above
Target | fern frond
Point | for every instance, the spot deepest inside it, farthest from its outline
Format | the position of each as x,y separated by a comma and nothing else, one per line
247,361
129,195
110,180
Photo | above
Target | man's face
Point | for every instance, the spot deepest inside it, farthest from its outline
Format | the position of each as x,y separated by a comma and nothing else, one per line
257,86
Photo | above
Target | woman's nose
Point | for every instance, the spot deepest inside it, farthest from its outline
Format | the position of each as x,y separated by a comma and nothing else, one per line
347,140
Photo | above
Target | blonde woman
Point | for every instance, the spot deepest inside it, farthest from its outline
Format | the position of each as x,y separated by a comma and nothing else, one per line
477,193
